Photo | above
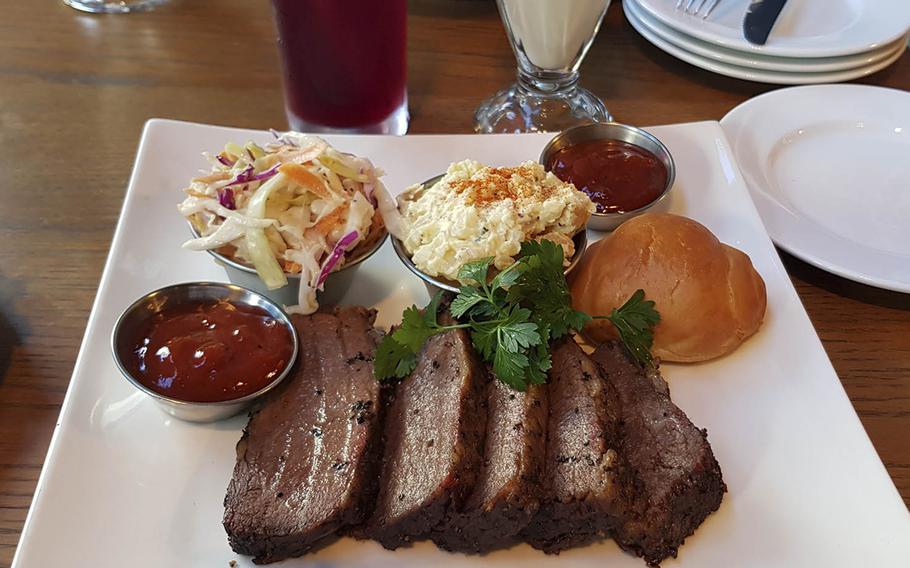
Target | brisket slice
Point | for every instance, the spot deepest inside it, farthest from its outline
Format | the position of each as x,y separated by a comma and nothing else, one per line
585,480
433,441
677,481
506,494
307,461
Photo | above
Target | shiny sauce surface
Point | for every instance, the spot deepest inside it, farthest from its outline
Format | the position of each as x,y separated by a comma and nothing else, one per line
208,352
616,175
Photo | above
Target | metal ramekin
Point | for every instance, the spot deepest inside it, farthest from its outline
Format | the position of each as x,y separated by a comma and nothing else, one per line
336,285
624,133
153,302
435,284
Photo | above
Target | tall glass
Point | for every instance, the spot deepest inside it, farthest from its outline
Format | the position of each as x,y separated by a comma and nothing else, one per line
113,6
550,38
345,66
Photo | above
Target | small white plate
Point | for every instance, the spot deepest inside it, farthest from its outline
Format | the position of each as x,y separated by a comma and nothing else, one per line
751,74
805,28
759,60
829,169
125,485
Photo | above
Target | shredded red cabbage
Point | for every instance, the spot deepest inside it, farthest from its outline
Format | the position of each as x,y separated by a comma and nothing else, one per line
266,174
224,160
340,247
226,198
246,176
242,177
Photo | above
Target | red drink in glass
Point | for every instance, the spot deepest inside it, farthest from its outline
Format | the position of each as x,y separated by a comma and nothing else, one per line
344,64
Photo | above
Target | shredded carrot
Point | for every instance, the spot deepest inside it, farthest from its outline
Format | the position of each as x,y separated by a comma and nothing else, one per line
305,178
332,220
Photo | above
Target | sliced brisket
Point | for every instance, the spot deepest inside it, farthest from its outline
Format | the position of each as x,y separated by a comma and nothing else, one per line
307,461
677,481
585,480
506,494
433,441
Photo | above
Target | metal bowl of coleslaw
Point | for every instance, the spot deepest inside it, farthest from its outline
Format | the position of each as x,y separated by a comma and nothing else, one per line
292,219
334,289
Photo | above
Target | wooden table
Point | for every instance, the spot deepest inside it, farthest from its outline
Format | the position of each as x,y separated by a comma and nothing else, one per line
75,90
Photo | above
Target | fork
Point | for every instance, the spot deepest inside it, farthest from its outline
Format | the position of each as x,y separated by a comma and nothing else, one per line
695,7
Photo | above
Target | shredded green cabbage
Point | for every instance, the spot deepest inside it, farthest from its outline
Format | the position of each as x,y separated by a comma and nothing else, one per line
234,150
342,169
334,181
255,150
261,255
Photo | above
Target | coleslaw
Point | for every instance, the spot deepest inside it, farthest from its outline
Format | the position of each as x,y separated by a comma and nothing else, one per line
297,206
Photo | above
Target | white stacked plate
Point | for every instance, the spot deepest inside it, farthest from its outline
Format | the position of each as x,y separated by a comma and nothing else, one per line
812,41
827,169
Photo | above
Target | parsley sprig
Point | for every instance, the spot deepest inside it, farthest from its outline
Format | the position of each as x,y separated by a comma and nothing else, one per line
634,321
512,319
396,354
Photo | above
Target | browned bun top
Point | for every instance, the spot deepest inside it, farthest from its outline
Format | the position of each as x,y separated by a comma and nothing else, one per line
709,296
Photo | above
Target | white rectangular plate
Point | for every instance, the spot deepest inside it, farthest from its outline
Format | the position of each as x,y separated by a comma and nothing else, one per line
126,485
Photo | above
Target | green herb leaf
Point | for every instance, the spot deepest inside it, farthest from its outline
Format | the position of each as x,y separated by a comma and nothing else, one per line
483,337
466,299
517,333
536,373
541,358
510,368
413,330
575,320
475,271
418,325
393,359
396,354
543,286
508,277
635,321
489,308
430,312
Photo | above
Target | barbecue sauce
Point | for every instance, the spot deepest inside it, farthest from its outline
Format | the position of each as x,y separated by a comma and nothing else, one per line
617,176
210,351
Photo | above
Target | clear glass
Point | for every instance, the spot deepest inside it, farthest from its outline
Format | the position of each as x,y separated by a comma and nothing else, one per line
113,7
345,64
550,39
396,123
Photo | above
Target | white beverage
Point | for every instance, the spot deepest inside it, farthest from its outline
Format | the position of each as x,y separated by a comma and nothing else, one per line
553,34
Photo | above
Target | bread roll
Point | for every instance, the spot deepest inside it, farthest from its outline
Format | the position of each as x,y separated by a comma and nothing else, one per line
709,296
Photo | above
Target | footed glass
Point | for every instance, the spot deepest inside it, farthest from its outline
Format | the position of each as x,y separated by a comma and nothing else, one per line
550,39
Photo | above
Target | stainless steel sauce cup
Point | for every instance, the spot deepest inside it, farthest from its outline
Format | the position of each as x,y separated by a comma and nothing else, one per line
624,133
195,292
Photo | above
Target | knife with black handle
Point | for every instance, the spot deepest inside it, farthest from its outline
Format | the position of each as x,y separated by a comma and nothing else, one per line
760,18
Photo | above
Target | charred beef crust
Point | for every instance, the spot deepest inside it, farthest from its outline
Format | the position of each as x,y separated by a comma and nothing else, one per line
433,440
677,481
507,491
586,481
308,459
